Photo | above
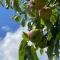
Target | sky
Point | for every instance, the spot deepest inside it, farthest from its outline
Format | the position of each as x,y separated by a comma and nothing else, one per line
6,22
11,36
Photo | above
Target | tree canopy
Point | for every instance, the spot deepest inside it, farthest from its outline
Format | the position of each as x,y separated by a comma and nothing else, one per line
43,20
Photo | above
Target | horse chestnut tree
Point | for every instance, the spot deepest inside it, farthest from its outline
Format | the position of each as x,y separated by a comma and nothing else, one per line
41,13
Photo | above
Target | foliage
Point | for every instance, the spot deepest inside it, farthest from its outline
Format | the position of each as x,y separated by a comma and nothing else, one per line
43,20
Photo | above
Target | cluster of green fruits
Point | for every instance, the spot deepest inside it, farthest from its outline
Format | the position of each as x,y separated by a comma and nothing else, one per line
36,36
39,7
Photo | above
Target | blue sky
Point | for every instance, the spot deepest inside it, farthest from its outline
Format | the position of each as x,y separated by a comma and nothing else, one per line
10,35
7,22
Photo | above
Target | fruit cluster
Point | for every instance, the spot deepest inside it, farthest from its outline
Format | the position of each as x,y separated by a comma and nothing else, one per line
37,38
39,7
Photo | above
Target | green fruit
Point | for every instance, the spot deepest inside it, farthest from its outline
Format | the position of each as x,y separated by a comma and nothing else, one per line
38,39
43,42
36,36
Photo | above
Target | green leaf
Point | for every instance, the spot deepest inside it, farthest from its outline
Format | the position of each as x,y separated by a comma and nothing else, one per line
22,50
54,12
16,3
53,19
27,51
31,53
23,22
42,22
48,24
58,10
25,16
16,18
43,42
7,4
57,49
29,26
34,53
49,35
51,1
25,5
31,12
17,6
58,36
0,2
54,16
25,37
50,52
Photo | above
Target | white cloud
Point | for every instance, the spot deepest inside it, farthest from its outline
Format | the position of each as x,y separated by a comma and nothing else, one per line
43,56
10,44
5,28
